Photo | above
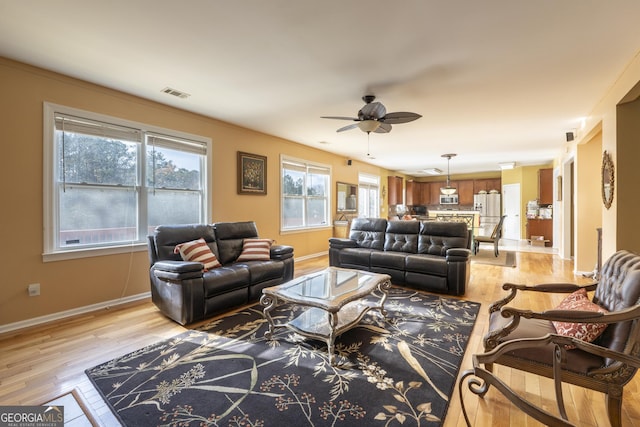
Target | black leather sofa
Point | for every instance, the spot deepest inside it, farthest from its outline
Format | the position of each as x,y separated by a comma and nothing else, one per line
430,255
184,292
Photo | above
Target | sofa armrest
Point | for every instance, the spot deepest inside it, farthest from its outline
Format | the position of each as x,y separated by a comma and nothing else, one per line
340,243
458,255
281,252
177,270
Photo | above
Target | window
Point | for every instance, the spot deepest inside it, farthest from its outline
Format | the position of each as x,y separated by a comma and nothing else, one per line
305,195
111,182
368,196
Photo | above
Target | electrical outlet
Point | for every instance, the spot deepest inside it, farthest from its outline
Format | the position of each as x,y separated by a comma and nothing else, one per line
34,289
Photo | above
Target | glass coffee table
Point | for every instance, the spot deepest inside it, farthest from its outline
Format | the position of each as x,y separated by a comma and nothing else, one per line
333,301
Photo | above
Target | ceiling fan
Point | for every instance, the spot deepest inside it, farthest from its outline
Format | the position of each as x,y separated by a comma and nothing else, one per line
373,117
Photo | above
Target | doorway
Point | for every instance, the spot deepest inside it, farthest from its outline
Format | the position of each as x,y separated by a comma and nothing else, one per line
511,206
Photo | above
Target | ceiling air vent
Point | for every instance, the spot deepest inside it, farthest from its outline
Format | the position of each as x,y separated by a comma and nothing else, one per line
175,92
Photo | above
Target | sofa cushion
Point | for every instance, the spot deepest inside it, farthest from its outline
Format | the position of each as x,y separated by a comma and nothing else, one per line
368,232
224,279
166,237
230,236
577,360
198,251
583,331
352,257
402,236
255,250
437,237
261,271
393,260
429,264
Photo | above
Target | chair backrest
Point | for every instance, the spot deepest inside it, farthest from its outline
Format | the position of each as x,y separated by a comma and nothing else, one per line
497,230
619,288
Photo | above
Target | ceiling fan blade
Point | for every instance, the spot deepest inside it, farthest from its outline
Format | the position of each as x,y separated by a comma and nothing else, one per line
347,127
340,118
400,117
374,110
383,128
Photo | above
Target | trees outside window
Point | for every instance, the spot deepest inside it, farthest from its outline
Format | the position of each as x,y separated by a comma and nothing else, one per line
111,182
305,194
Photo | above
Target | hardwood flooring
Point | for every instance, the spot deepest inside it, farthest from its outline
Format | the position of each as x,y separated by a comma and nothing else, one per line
41,363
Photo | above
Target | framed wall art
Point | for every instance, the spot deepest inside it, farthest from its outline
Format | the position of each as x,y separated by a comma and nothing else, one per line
252,173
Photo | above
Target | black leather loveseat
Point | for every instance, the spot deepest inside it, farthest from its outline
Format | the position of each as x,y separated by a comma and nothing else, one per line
429,255
186,293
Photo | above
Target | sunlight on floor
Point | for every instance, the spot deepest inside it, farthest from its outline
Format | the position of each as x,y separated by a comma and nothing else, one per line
524,246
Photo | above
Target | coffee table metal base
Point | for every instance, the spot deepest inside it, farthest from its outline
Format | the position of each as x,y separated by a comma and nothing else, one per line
325,322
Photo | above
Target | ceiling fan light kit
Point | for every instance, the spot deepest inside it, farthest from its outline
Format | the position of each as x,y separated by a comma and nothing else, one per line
369,125
448,190
373,117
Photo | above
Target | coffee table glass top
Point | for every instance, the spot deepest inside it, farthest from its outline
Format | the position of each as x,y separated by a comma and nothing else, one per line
328,284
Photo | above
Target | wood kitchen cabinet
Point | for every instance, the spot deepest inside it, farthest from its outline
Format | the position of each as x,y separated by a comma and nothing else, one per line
540,227
465,192
411,189
417,193
487,185
395,190
434,188
545,186
425,193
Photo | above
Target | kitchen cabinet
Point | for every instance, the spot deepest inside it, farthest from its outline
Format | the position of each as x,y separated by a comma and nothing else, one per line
411,189
395,190
425,193
465,192
417,193
545,186
540,227
434,188
487,184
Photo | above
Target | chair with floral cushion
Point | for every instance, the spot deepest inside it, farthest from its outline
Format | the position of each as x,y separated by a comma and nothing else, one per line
589,343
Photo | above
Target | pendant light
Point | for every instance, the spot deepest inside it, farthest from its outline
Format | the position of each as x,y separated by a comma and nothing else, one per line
448,190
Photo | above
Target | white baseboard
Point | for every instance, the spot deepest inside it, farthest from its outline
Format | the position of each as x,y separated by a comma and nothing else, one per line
99,306
311,256
73,312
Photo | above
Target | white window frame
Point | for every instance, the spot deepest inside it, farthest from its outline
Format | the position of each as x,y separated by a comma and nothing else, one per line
287,159
50,206
369,182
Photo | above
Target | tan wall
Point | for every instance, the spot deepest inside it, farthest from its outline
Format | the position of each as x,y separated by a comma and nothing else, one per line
627,177
77,283
588,199
604,115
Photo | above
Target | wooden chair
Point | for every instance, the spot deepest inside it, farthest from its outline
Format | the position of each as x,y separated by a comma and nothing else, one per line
527,340
494,238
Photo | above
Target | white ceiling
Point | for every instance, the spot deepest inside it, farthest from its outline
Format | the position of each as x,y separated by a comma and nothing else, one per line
495,80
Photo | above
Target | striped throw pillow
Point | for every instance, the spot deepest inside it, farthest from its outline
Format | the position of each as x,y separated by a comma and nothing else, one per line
255,250
198,251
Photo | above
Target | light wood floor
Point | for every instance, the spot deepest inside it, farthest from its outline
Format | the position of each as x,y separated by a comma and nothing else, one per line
40,363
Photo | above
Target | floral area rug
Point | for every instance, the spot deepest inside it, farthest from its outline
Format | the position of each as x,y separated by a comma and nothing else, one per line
394,370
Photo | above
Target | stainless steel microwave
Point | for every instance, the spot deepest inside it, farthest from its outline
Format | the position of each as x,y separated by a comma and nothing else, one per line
449,199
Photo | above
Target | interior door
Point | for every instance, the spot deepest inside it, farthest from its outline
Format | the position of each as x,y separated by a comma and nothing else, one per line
511,205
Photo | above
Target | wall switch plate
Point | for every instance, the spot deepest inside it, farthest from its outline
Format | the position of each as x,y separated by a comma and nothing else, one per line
34,289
